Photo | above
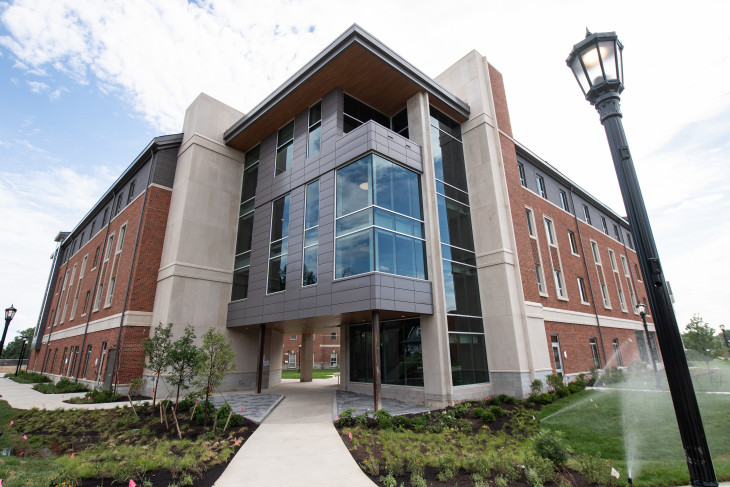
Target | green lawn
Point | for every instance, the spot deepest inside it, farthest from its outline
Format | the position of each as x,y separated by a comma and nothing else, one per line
594,423
316,373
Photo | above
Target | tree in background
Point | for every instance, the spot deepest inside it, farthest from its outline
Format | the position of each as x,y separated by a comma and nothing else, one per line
215,360
12,349
156,350
700,340
183,355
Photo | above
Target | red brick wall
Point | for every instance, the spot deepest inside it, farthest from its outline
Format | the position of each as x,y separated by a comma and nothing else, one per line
500,101
321,353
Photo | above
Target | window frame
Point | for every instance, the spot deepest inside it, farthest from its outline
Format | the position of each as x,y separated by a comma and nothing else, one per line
582,291
564,200
573,243
587,214
284,240
604,224
541,188
529,214
283,145
312,127
521,171
314,245
550,231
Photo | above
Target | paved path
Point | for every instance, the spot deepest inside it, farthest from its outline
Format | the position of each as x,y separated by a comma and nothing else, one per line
362,403
297,445
22,396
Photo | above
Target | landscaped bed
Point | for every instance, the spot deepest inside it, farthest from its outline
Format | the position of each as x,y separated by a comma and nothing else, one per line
96,447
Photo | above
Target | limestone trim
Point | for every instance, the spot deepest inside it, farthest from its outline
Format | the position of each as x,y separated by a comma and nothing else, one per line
132,318
194,271
156,185
496,257
536,310
210,144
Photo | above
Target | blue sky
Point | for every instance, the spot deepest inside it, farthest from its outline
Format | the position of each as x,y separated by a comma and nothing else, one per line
84,87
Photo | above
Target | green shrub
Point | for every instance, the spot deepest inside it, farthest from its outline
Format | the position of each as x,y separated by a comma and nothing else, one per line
401,422
418,481
415,463
612,375
594,376
575,387
389,480
562,391
384,419
554,381
448,466
497,411
186,404
500,481
494,401
361,420
418,423
547,398
536,387
371,465
478,464
463,425
24,377
97,396
504,466
63,386
460,410
551,445
484,415
506,399
393,465
345,418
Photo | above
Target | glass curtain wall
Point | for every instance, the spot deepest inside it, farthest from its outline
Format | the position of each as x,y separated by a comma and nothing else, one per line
401,360
463,306
242,263
278,249
311,234
379,221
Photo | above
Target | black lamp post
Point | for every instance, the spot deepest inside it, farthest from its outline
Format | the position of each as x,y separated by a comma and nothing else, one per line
724,337
9,315
20,359
597,64
642,311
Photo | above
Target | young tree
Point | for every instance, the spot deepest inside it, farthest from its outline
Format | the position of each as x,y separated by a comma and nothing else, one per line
700,339
12,349
183,359
156,349
214,362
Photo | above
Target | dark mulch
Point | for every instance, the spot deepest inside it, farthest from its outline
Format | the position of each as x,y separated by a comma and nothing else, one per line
163,478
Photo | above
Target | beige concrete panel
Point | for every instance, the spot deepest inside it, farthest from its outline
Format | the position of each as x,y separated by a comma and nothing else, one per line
209,117
246,348
276,352
307,358
434,331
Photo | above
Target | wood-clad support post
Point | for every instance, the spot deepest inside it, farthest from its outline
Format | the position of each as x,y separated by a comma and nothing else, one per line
260,362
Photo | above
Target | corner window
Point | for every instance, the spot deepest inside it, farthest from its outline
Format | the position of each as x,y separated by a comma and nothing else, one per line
586,214
278,250
521,169
314,138
541,186
357,113
564,201
284,148
311,234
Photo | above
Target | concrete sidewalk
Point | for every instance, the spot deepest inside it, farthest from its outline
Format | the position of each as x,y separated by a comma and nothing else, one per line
297,445
22,396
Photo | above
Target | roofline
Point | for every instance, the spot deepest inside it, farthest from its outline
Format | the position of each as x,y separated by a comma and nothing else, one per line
534,158
354,35
158,143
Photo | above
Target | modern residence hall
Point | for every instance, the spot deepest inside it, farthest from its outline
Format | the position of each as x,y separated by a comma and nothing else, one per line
365,199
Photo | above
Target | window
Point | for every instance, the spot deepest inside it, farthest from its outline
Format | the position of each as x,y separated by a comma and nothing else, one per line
96,258
596,256
636,271
91,233
86,302
594,352
109,246
559,283
604,294
564,201
284,148
604,225
311,234
314,139
399,123
541,186
555,343
122,233
582,289
110,292
97,299
292,337
103,220
278,250
612,258
615,232
130,194
357,113
334,336
78,287
573,245
88,358
530,229
538,274
629,242
333,359
521,169
242,261
621,299
379,223
641,343
617,352
586,214
119,205
549,231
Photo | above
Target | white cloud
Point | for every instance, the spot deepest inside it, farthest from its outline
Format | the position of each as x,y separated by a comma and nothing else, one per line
37,86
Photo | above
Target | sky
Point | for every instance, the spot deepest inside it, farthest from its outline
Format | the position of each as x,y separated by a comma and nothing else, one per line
85,86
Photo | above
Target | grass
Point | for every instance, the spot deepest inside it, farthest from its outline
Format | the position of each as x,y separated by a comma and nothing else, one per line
24,377
316,373
594,424
107,443
63,386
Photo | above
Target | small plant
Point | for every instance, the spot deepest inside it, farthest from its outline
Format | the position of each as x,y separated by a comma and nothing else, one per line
536,386
484,415
384,419
612,375
415,464
371,466
595,469
24,377
507,399
554,381
63,386
389,480
500,481
401,422
418,423
503,465
361,420
463,425
494,401
478,464
460,410
538,470
497,411
594,376
551,445
562,391
97,396
575,387
394,466
448,466
345,418
418,481
186,480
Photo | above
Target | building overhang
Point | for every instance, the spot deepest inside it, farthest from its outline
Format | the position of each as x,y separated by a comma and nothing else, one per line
362,67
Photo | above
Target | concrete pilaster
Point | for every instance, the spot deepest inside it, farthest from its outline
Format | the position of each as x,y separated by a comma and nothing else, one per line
307,357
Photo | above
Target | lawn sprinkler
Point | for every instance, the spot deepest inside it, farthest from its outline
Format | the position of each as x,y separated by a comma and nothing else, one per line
631,481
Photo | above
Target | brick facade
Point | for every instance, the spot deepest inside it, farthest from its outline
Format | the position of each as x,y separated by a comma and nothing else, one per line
323,347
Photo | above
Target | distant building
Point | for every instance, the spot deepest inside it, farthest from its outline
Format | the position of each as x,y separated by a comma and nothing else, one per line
361,191
326,351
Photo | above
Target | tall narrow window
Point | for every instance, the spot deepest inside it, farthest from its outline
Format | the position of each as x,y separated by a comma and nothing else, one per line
604,295
96,258
86,364
604,225
594,352
538,274
629,242
284,148
119,204
596,256
582,289
242,262
559,283
521,169
586,214
314,139
122,233
564,201
541,186
573,245
528,215
615,232
311,234
130,195
549,231
278,249
86,302
617,352
555,343
612,258
91,232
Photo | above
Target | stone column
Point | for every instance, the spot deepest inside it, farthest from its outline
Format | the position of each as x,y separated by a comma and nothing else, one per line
307,358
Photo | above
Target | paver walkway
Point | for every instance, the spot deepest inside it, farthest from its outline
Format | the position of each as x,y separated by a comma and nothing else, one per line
297,444
362,403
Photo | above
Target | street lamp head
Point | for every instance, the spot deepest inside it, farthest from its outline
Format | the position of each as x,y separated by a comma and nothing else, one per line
641,307
722,327
10,313
597,64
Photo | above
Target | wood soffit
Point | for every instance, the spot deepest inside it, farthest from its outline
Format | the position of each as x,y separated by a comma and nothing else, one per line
359,72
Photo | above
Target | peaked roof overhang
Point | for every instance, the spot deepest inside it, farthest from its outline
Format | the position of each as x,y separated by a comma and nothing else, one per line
361,66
